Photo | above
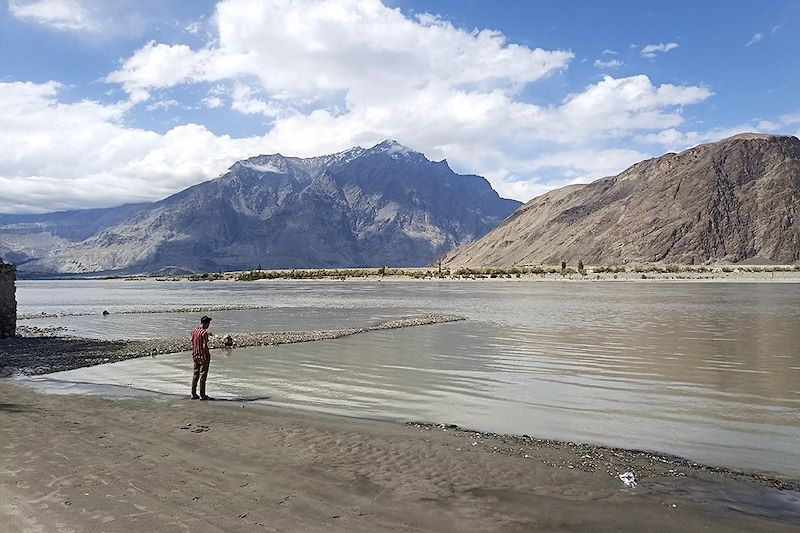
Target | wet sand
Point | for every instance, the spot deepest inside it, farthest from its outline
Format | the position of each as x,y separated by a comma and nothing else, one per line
155,463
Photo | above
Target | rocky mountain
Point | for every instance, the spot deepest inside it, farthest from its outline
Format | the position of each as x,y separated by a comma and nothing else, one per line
362,207
733,200
27,237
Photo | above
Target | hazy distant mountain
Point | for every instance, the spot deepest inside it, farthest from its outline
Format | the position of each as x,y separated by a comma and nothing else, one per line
362,207
27,237
734,200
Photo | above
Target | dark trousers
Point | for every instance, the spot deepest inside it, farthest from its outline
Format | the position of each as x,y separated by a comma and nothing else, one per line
200,373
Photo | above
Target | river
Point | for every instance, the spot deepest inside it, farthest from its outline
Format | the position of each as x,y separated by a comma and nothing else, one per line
709,371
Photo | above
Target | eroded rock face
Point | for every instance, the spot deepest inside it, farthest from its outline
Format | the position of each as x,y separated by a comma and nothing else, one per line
733,200
8,301
386,205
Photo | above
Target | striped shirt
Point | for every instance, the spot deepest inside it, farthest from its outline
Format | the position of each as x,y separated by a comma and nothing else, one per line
200,352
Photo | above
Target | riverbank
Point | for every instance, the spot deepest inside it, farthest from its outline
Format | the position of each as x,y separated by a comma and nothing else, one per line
44,351
163,463
652,271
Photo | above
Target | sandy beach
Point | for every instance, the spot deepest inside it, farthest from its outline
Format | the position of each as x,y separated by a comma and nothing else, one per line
79,463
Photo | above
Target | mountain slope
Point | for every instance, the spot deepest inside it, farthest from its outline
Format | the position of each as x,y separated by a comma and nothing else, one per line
27,237
362,207
733,200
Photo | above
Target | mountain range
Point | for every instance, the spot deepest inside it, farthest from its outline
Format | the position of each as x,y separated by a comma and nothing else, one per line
735,200
385,205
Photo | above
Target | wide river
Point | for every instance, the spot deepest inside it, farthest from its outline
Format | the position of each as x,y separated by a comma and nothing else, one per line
706,371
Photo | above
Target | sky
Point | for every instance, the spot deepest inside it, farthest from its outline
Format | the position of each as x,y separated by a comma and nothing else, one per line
105,102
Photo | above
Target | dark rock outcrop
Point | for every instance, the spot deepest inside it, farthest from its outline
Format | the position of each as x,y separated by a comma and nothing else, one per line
8,300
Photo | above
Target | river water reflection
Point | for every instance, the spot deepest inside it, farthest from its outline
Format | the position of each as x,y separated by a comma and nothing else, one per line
708,371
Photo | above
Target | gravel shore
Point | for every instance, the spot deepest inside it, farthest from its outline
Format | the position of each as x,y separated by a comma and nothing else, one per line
42,351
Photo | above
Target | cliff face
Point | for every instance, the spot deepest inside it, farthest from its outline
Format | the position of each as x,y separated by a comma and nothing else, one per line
362,207
734,200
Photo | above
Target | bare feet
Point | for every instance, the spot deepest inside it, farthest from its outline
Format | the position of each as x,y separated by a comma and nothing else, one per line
195,397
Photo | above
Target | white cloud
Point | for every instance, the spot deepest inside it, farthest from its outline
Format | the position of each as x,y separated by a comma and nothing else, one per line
608,52
65,156
308,48
610,64
163,104
57,156
754,39
244,101
651,50
212,102
790,119
214,98
60,14
159,65
193,28
674,140
328,76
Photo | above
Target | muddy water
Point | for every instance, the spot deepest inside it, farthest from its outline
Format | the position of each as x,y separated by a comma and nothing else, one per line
708,371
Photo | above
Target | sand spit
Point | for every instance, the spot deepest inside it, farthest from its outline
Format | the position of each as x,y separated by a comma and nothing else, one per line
194,309
43,352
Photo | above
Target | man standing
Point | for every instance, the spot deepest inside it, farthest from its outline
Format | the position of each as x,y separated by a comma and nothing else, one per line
201,355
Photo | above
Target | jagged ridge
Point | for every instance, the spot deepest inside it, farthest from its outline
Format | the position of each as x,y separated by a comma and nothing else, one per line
361,207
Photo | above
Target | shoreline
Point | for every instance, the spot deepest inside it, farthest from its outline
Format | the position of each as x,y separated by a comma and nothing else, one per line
150,462
584,455
631,272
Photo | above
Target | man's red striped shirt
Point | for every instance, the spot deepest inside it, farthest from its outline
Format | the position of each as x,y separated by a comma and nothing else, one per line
200,352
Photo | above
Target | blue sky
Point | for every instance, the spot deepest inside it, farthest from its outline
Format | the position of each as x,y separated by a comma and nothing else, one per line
106,102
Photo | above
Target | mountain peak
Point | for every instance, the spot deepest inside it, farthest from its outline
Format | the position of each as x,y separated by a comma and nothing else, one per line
749,136
394,150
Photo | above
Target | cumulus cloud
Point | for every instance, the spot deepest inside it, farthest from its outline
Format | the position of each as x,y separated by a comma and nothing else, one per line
65,156
306,48
56,156
60,14
328,76
651,50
